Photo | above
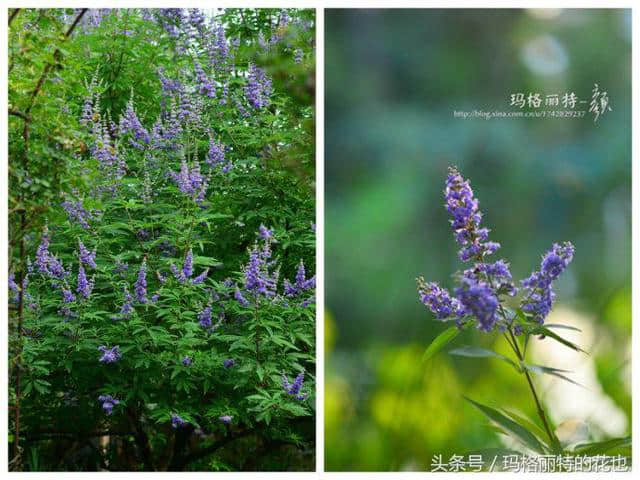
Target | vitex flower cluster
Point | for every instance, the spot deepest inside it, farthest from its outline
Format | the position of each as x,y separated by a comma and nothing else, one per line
108,402
295,387
481,289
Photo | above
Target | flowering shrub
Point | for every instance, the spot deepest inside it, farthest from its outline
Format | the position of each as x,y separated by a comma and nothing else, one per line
485,299
166,297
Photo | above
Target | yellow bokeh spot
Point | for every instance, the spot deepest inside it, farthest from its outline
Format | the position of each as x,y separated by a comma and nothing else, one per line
329,332
415,400
338,406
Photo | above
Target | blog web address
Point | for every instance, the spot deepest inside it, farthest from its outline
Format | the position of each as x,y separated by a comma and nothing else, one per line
492,114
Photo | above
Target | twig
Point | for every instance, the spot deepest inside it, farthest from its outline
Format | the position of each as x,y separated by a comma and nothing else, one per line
49,434
48,66
142,440
17,113
184,461
18,370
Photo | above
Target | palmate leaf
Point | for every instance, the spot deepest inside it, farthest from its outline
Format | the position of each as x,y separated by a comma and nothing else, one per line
440,342
600,448
470,351
556,372
515,429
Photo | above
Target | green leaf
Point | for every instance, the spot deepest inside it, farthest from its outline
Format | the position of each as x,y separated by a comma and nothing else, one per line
471,351
542,330
440,342
600,448
525,422
206,261
556,372
521,433
559,325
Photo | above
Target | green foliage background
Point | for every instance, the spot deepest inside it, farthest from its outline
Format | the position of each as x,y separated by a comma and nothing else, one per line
388,145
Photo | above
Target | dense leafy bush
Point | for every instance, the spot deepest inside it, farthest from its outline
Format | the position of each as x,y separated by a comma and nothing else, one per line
163,295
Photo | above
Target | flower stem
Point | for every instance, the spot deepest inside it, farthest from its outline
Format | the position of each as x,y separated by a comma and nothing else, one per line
514,345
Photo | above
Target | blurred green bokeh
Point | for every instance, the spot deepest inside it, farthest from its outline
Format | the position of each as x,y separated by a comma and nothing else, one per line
393,79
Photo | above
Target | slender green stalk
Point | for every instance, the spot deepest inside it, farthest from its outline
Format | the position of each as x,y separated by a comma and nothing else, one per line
516,349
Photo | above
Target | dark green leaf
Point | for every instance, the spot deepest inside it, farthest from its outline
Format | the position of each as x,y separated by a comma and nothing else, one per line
521,433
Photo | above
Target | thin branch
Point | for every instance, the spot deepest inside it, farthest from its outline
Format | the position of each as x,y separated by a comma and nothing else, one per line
142,440
18,358
56,55
49,434
192,457
18,113
541,414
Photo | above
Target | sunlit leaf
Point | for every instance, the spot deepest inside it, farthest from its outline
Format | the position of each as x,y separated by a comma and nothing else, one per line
600,448
542,330
471,351
440,342
539,369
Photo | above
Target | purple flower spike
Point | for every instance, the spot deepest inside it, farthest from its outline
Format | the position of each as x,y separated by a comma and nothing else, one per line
87,257
177,421
481,288
240,298
191,182
301,282
13,286
216,154
68,296
177,273
265,233
77,213
538,287
130,124
141,283
226,419
127,307
109,355
201,278
205,317
466,218
84,286
479,300
258,88
295,387
108,402
187,268
438,300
